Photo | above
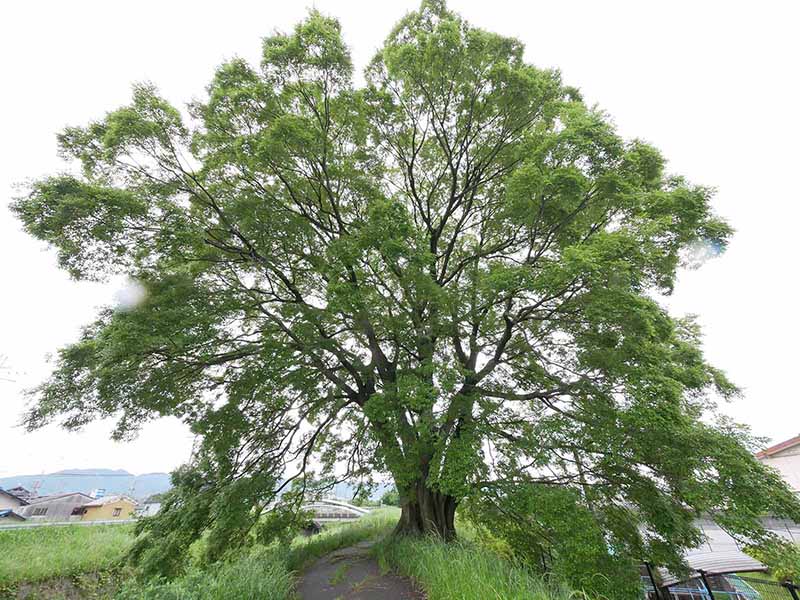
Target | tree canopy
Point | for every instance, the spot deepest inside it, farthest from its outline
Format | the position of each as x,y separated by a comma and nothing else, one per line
447,274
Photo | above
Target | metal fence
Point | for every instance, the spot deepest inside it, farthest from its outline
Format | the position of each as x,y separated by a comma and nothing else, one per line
729,586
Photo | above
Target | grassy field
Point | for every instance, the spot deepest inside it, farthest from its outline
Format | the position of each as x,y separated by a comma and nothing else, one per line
467,570
45,554
266,573
42,553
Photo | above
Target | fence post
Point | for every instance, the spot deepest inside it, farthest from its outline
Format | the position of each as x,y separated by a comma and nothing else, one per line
792,589
653,581
705,583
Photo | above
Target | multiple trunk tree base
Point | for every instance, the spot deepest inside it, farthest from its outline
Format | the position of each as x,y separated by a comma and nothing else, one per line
427,512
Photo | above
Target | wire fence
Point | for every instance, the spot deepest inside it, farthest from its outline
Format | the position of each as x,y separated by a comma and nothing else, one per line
729,586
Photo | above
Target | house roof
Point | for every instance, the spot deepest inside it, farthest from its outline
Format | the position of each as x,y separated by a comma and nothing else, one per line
10,495
767,452
8,513
728,561
109,500
21,493
40,499
720,553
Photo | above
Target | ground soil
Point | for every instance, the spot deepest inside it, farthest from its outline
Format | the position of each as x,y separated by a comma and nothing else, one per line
353,574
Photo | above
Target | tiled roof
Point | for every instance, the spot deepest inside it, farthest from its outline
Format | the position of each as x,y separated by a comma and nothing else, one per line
109,500
778,447
40,499
21,493
10,495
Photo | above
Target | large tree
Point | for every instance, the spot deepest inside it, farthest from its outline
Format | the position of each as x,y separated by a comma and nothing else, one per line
447,274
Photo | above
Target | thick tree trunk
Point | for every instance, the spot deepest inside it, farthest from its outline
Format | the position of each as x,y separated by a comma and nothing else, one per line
427,512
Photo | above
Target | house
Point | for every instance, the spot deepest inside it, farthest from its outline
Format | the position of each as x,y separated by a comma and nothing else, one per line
108,508
22,493
6,515
55,507
785,457
10,500
723,560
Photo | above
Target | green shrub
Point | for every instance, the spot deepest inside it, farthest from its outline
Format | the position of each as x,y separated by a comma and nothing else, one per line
782,558
391,497
553,532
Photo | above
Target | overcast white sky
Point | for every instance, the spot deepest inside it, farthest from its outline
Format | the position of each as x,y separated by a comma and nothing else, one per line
713,84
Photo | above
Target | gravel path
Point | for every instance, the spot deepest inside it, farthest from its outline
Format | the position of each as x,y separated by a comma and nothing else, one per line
353,574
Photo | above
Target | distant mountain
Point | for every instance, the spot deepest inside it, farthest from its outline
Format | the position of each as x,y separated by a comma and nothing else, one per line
113,481
122,472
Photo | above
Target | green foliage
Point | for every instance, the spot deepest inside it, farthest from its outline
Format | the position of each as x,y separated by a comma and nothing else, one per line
391,497
228,514
782,557
465,571
551,531
260,576
447,274
40,553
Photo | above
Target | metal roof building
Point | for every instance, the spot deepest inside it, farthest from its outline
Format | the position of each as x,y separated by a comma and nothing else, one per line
720,553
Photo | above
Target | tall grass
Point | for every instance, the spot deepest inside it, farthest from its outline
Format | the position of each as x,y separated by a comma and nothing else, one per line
261,575
464,571
266,573
38,553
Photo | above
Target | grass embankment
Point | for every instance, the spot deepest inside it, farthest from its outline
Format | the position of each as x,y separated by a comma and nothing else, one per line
265,572
47,555
467,570
305,550
464,570
39,553
260,575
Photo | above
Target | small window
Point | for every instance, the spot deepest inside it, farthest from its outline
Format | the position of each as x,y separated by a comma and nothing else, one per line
117,512
40,512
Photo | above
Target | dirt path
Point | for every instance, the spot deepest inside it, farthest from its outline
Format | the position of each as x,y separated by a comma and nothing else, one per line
353,574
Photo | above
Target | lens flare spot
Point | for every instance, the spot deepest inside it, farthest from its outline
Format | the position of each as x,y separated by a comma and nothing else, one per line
697,253
130,296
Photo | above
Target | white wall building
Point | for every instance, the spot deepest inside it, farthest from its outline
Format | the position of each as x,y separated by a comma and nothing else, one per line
785,457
